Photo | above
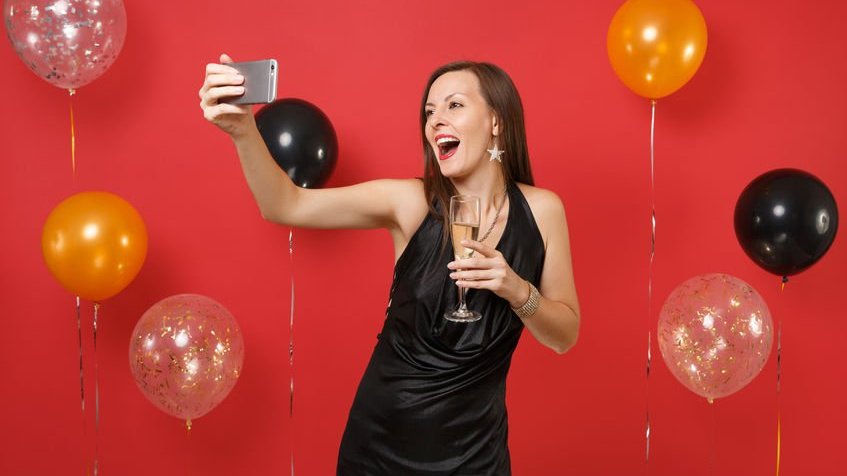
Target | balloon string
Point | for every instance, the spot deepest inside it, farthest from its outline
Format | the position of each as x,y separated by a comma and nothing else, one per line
96,393
714,444
81,374
778,439
79,335
779,385
650,274
291,345
647,433
71,92
652,175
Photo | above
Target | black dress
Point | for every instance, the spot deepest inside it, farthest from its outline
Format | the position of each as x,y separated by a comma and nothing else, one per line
432,400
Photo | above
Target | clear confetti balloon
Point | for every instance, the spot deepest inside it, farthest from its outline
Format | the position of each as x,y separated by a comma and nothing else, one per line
186,354
715,334
68,43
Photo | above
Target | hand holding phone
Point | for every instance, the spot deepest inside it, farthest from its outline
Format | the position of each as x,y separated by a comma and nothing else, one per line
259,82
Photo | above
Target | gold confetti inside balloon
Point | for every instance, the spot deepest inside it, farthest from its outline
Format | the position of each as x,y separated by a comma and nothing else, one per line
715,334
186,354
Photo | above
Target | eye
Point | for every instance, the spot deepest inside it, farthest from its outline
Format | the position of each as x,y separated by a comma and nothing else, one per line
428,112
454,105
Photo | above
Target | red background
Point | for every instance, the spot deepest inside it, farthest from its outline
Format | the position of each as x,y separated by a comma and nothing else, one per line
770,93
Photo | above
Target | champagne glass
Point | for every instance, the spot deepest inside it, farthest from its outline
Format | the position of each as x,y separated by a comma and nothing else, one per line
464,225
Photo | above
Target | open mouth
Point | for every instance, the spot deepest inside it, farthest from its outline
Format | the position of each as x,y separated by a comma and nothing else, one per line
447,146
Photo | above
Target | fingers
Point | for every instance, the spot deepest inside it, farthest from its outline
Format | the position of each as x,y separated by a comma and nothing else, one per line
470,263
474,284
493,285
213,113
223,80
219,75
481,248
488,272
211,99
217,86
212,96
478,263
478,275
215,80
215,68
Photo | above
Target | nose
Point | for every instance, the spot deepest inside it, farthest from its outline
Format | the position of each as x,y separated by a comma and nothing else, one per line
436,119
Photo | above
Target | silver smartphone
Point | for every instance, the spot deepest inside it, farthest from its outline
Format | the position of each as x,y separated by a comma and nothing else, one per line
259,82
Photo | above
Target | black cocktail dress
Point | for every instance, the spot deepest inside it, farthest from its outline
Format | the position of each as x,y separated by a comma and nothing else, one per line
432,400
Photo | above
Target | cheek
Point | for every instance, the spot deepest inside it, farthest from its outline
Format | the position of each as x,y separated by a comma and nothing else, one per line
477,130
475,143
430,140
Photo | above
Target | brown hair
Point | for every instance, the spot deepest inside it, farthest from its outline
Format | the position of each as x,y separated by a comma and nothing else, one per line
502,97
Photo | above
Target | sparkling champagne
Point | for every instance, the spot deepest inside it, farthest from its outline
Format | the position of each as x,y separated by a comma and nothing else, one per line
463,231
464,225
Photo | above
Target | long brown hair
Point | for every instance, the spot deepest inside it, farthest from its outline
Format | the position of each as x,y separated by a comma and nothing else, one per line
502,97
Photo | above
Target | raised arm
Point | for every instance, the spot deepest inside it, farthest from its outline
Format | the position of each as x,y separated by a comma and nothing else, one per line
373,204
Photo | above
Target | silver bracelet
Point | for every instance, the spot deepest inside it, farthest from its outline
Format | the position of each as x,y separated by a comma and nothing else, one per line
531,305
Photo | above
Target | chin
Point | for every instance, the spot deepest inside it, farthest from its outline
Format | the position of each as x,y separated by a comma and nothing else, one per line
449,169
451,173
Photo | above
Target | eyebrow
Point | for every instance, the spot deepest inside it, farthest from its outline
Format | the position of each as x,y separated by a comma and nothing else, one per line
445,99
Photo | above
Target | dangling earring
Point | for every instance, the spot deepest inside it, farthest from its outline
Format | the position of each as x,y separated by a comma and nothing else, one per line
495,154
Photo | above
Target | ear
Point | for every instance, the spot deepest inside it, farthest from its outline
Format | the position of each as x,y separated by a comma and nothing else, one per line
495,125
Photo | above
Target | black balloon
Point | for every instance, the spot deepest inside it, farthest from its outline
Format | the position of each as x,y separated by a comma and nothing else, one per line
786,220
301,140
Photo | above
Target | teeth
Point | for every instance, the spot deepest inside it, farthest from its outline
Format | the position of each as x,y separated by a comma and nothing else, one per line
445,140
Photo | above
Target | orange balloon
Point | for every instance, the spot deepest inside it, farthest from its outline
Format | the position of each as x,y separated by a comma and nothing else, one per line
656,46
94,243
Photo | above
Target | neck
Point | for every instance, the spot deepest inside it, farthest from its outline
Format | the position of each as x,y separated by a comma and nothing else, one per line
489,188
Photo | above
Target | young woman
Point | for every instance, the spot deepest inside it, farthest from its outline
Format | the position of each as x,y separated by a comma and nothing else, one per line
432,399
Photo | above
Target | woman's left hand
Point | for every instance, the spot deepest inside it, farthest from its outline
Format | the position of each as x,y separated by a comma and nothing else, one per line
489,270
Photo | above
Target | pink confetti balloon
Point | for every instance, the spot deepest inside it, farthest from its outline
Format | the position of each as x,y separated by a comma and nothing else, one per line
186,354
715,334
68,43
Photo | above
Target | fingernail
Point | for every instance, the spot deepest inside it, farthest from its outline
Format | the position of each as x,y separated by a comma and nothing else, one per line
464,242
453,275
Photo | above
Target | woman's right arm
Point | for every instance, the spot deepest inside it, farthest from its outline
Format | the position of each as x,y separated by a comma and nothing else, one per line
372,204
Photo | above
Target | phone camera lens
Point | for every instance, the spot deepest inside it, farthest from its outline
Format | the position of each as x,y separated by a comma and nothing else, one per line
273,67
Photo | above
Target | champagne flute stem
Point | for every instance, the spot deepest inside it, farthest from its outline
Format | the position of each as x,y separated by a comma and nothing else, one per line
462,305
